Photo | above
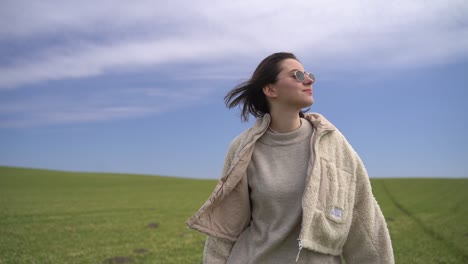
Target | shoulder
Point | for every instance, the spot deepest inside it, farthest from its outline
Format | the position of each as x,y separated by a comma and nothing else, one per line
319,122
332,139
323,125
239,140
250,134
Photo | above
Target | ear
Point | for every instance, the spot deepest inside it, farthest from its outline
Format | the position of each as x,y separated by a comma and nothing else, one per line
270,91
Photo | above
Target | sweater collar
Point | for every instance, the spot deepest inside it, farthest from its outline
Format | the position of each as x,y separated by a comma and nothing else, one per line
271,138
318,121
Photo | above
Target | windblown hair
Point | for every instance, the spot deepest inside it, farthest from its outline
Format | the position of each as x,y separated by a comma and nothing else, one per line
249,94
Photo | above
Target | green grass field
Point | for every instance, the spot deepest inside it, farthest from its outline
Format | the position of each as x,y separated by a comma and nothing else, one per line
65,217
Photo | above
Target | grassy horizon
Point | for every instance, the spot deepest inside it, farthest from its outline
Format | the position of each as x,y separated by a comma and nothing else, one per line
83,217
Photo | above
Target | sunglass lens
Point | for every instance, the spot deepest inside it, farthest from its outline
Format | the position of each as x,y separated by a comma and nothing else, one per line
312,76
300,76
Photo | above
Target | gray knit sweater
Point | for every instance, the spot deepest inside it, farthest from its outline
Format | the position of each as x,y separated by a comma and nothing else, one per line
276,177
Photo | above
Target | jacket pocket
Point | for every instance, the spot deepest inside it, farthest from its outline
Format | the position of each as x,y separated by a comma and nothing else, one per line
334,190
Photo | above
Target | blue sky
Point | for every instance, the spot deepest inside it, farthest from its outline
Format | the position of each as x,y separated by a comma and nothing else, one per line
138,87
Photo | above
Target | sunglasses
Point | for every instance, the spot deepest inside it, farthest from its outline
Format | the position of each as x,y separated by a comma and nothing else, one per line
300,76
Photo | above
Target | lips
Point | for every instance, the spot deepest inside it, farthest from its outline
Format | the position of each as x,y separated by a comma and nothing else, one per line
308,91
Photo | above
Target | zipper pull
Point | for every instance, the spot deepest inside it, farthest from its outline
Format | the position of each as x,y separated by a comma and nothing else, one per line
300,248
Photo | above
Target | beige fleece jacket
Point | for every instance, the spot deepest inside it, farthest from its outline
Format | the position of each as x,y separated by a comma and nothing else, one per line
340,213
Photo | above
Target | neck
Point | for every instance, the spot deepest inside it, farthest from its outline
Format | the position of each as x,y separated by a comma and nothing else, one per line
284,121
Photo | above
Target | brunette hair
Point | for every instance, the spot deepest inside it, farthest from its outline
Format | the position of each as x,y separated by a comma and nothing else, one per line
250,94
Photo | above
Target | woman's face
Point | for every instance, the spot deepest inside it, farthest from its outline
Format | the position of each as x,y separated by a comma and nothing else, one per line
288,91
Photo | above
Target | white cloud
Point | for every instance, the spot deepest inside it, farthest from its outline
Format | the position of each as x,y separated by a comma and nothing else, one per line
397,33
22,18
91,60
96,38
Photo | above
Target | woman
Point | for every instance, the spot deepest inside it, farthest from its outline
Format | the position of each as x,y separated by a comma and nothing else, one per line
292,188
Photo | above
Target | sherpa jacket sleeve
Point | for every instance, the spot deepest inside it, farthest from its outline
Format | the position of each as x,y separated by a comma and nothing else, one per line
368,239
216,250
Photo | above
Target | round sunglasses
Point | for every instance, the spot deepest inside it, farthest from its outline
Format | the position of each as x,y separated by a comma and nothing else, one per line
300,76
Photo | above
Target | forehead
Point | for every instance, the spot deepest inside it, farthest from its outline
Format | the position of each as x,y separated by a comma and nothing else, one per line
291,64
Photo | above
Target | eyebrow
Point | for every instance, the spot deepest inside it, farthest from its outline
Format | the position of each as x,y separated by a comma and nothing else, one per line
293,70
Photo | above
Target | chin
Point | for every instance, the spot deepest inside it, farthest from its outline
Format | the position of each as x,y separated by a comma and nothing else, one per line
308,103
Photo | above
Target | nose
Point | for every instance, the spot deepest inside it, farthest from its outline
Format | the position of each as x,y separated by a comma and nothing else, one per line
308,80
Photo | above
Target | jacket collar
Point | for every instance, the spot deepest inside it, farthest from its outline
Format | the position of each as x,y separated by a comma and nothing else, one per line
261,124
320,122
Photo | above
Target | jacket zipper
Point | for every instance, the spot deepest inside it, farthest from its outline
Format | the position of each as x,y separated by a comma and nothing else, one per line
315,135
300,248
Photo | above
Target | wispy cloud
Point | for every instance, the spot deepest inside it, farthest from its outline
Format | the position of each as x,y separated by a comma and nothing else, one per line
91,60
101,105
389,34
56,40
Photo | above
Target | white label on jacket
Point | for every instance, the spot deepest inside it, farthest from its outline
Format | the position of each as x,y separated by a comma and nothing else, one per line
337,212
